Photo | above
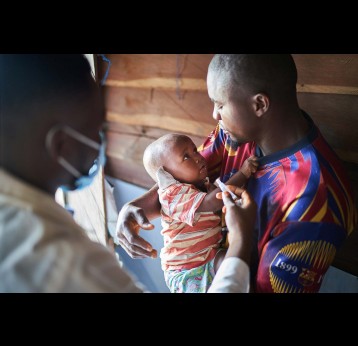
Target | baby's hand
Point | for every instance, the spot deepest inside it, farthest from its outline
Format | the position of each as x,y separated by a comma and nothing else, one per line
250,166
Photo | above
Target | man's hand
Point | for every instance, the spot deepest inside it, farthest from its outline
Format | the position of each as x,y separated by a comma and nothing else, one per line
130,220
240,221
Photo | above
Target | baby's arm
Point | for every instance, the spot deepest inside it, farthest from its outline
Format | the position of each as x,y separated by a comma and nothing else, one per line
249,166
211,203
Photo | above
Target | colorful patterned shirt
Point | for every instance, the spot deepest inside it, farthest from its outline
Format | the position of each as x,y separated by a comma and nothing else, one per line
191,239
305,208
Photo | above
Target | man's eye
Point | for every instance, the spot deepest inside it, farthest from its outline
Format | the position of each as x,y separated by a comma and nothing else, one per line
186,157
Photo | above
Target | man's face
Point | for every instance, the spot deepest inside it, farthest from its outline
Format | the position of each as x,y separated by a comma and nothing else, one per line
184,163
232,107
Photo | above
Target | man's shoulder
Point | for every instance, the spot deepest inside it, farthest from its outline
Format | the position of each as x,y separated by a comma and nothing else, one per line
17,217
23,222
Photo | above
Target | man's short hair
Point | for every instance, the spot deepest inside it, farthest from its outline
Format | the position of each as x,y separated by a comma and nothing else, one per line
273,74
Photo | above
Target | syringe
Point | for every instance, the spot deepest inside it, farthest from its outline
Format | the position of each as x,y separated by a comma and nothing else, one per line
237,201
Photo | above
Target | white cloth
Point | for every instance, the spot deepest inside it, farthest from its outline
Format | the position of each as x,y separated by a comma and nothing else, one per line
233,276
164,178
42,249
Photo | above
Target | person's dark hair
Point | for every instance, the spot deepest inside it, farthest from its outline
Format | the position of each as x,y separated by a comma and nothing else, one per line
32,83
38,91
273,74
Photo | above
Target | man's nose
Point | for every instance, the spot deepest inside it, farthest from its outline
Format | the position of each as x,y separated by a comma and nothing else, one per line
216,114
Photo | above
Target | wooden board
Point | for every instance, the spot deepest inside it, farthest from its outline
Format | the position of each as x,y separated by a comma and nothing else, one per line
327,69
192,105
89,210
337,118
188,72
139,66
118,129
317,69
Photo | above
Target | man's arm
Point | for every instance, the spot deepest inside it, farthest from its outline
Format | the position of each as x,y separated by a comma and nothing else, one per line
233,274
135,215
149,202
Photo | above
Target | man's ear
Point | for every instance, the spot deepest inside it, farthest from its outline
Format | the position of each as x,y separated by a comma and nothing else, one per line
55,140
261,103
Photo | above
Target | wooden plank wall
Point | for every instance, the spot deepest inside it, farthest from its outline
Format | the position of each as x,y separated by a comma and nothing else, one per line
148,95
89,209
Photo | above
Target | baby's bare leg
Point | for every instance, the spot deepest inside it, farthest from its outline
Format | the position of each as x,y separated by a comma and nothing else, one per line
219,257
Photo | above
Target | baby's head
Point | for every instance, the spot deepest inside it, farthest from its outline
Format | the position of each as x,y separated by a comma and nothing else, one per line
178,155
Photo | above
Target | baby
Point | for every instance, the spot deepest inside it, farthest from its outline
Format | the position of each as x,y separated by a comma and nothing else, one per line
190,219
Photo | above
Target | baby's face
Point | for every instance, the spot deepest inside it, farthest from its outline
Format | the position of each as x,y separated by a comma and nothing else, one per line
184,162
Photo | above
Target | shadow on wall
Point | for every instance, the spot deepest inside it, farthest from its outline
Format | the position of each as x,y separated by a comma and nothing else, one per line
147,271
